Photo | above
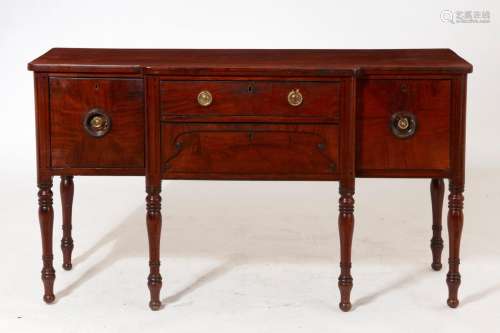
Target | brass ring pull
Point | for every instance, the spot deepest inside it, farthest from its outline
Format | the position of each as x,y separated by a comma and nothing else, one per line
97,123
403,124
205,98
295,97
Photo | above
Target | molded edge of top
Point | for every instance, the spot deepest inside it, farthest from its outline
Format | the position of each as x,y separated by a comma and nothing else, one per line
53,61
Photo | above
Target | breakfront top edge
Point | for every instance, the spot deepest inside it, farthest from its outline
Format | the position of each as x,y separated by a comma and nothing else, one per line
319,62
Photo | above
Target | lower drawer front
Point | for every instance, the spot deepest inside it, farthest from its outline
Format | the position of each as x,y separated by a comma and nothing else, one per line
249,151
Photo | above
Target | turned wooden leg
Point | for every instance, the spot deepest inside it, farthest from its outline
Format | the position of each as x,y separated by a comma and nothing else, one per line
67,191
346,226
46,218
153,204
455,224
437,196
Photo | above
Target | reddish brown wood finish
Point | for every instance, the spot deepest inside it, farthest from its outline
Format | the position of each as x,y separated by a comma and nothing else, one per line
455,225
46,216
250,131
456,188
255,100
44,180
346,228
153,206
437,196
120,99
153,189
67,191
346,190
258,62
255,151
380,149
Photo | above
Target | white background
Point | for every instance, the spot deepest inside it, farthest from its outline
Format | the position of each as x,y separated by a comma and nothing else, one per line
241,256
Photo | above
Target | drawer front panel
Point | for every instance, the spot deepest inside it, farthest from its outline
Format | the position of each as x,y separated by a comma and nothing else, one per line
232,100
120,100
249,151
381,101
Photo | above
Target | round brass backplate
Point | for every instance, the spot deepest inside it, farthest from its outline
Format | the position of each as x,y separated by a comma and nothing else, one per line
403,124
295,98
205,98
97,123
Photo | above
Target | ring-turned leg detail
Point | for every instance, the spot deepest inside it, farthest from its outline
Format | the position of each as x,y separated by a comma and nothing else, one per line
346,227
455,225
437,244
67,191
46,218
153,205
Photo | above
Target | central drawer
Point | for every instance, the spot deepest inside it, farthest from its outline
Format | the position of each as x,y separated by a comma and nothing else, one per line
249,101
249,151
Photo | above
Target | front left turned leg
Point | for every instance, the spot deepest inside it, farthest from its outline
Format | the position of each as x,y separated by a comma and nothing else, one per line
153,206
67,190
437,196
46,218
455,225
346,227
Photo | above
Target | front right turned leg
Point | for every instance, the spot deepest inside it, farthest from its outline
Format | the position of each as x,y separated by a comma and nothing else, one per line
46,218
346,227
455,225
153,220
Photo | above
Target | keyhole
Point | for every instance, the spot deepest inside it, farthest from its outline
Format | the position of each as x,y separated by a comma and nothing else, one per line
97,86
250,89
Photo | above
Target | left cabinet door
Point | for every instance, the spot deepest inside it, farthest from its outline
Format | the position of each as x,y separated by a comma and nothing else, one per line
96,123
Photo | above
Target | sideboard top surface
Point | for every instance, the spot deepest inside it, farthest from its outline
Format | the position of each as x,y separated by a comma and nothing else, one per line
233,61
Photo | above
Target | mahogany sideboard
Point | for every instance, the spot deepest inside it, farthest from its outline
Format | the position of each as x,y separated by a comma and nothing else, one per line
330,115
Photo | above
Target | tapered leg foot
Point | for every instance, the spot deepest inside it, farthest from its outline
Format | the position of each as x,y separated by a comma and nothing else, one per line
67,266
437,244
453,281
153,205
345,306
346,226
436,266
46,219
154,285
49,299
345,286
455,225
67,190
453,303
48,278
155,305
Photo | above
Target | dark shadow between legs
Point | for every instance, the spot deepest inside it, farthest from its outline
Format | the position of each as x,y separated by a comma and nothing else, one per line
480,294
207,277
125,243
404,281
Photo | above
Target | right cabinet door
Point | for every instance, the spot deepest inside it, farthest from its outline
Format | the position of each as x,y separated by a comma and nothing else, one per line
403,127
